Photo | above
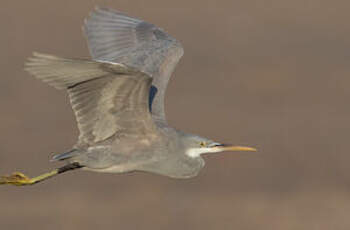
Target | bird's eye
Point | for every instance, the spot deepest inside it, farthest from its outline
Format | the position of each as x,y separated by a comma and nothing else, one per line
202,144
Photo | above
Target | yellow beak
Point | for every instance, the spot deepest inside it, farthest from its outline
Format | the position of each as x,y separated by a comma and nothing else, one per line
222,148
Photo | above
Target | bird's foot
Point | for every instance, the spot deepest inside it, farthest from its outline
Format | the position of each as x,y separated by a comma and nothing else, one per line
17,178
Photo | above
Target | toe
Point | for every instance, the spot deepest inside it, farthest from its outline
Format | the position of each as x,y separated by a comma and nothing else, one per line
16,179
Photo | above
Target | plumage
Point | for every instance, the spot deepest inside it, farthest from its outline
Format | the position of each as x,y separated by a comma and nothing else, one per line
118,102
107,99
115,37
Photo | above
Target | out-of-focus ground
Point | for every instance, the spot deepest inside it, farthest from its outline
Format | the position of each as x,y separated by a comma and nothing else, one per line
271,74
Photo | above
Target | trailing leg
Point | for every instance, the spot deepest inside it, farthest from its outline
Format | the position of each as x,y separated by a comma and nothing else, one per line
19,179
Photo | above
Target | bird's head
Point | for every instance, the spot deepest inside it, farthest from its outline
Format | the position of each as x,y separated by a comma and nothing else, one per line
196,145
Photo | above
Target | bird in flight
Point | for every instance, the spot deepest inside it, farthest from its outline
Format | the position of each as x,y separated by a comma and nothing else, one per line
118,101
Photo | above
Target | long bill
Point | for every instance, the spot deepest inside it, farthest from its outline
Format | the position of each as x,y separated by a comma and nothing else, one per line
222,148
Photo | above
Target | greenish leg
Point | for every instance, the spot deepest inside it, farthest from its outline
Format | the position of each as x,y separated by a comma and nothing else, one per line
19,179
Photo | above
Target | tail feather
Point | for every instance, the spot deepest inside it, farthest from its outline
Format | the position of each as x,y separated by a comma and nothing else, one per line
65,156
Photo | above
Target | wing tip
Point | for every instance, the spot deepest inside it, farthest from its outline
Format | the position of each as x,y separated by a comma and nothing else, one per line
38,59
107,10
103,13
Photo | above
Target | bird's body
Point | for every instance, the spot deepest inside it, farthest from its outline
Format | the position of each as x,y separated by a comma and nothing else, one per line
118,101
150,153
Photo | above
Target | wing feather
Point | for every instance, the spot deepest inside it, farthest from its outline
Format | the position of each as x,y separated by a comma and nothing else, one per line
107,99
115,37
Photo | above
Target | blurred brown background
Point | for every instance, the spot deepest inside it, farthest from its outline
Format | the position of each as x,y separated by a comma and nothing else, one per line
271,74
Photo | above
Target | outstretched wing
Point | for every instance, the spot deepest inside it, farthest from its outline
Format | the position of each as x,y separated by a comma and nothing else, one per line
115,37
107,99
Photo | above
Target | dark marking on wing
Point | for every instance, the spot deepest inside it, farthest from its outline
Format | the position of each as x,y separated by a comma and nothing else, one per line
152,93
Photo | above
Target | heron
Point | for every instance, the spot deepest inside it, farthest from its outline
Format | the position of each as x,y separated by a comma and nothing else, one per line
118,100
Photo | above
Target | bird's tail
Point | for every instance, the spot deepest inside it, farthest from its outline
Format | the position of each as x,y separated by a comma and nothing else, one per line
65,155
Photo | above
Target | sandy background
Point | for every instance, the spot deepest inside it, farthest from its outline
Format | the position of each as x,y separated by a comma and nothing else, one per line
271,74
